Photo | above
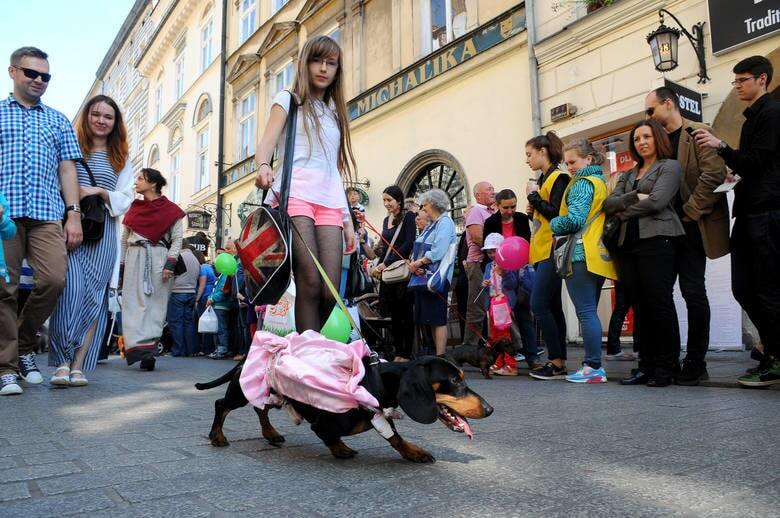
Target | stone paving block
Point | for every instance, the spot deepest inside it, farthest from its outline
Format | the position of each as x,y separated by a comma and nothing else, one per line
95,479
60,505
189,483
165,508
65,454
29,449
13,491
33,472
98,459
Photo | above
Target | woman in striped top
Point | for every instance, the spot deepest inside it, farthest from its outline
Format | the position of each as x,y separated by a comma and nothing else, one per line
79,320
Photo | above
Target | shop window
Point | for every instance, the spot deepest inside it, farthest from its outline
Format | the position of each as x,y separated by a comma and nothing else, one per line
443,21
614,146
441,176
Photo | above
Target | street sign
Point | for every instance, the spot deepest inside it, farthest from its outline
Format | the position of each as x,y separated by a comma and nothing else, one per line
734,23
690,101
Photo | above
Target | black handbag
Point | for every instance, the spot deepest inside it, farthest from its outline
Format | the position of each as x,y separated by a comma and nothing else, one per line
265,243
93,211
610,236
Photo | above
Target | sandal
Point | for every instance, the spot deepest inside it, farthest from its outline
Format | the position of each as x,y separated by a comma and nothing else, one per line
77,379
63,380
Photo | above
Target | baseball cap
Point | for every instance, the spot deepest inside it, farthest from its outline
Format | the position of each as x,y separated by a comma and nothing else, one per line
492,241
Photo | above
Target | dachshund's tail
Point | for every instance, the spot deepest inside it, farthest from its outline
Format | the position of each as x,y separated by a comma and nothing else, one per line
221,380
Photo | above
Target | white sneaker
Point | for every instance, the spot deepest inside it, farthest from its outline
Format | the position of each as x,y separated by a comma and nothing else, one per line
29,370
9,386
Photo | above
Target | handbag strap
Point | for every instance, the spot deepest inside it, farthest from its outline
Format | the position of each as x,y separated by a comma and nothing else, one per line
89,172
395,235
289,152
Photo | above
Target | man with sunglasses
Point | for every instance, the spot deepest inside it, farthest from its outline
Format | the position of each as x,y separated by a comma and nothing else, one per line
755,238
705,216
38,148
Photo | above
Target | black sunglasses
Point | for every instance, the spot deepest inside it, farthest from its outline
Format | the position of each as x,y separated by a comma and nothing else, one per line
29,73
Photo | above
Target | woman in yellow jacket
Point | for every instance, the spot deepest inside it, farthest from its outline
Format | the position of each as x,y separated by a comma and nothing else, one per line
544,153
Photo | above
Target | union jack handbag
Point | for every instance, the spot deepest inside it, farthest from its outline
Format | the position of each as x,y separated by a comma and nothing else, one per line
265,243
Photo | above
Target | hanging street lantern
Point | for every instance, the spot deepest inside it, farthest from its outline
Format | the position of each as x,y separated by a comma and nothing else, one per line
663,44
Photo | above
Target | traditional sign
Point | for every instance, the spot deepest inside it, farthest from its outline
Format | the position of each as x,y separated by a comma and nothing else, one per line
464,48
198,242
198,219
690,101
734,23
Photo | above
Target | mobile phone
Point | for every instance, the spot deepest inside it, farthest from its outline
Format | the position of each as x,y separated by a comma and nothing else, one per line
689,130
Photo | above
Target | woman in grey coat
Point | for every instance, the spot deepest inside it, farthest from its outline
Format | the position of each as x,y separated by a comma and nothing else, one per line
643,200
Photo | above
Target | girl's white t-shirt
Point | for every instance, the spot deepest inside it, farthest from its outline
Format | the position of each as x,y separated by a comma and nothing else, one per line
315,174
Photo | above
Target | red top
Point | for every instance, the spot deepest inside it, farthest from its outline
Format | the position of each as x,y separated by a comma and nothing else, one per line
508,228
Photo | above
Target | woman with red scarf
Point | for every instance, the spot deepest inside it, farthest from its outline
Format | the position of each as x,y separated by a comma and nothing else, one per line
151,242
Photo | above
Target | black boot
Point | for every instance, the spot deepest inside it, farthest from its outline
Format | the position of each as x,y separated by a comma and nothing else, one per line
147,362
692,373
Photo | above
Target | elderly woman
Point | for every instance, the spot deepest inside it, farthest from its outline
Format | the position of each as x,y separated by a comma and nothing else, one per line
430,309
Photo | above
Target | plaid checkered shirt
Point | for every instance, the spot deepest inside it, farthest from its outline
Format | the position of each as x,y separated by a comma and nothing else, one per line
33,141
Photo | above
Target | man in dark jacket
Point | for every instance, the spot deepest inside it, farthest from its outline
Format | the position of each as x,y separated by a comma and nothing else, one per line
705,217
755,239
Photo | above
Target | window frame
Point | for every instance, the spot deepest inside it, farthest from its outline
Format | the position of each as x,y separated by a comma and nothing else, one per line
175,190
178,72
246,13
202,177
207,46
278,5
158,111
246,123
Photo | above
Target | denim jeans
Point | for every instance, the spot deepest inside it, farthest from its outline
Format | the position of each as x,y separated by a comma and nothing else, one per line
584,289
523,325
546,306
181,323
223,334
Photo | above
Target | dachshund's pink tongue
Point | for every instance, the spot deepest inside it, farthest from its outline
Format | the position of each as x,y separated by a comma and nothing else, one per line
466,428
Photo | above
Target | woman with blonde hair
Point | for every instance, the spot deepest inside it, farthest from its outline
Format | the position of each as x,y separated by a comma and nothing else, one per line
79,319
322,157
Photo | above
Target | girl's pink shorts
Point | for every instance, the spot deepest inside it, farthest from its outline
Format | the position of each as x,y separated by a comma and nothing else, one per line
321,215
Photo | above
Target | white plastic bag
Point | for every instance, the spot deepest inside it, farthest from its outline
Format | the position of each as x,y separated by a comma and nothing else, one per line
208,323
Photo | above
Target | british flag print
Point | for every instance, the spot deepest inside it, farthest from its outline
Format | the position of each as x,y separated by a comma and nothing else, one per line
261,248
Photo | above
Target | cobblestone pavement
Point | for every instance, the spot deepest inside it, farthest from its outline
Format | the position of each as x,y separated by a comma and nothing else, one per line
134,443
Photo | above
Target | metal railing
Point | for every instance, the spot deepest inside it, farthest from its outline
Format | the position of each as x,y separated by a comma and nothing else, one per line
238,171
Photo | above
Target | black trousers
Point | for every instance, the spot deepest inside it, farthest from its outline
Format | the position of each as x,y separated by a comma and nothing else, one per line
755,273
647,269
616,320
691,264
398,303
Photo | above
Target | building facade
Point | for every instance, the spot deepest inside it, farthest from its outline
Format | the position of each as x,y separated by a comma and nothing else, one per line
599,62
437,89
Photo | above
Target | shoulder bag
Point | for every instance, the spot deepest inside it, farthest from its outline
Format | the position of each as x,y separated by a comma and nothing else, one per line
563,252
93,211
397,271
264,245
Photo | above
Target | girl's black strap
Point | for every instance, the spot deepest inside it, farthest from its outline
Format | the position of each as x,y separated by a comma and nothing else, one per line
289,152
89,171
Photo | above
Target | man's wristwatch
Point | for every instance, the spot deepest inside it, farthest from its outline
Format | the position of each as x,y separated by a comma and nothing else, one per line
722,147
74,208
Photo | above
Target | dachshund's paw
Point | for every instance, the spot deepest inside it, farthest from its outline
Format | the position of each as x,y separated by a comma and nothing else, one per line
274,437
218,439
414,453
342,451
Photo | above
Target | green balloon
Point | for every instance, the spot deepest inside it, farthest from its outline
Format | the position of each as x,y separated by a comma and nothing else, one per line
225,264
337,327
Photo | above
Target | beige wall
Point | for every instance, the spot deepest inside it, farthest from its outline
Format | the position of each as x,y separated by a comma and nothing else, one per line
602,63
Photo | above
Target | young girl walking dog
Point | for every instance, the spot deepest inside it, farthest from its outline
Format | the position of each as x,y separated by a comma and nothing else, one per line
322,155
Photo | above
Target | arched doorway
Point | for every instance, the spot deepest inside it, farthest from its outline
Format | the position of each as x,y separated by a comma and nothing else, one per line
437,169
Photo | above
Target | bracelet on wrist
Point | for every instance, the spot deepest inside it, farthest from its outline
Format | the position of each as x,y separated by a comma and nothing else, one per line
264,163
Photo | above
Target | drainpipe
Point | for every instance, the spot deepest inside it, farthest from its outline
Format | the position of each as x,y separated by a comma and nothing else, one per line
221,124
533,67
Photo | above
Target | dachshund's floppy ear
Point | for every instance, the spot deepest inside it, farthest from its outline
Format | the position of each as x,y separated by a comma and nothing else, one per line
416,396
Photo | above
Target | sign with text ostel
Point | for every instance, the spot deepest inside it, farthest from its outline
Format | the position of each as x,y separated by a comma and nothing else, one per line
690,101
472,44
736,22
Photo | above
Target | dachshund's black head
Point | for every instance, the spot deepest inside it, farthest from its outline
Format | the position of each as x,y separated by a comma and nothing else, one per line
505,346
434,388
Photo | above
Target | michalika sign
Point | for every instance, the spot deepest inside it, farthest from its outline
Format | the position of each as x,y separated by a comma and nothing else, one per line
448,57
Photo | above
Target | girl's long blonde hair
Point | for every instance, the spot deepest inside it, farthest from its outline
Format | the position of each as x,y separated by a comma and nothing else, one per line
325,47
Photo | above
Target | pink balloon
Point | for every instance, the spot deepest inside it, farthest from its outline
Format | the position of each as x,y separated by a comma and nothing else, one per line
512,253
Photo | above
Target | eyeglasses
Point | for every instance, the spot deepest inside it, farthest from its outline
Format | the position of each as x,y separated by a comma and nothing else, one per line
650,111
29,73
742,80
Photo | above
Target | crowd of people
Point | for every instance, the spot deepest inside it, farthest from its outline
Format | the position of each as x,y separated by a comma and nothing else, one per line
654,224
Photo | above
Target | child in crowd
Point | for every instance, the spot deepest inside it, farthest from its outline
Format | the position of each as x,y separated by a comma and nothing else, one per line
7,231
500,282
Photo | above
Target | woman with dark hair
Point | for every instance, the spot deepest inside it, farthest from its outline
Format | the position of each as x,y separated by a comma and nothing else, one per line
82,308
151,242
399,229
545,152
643,200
